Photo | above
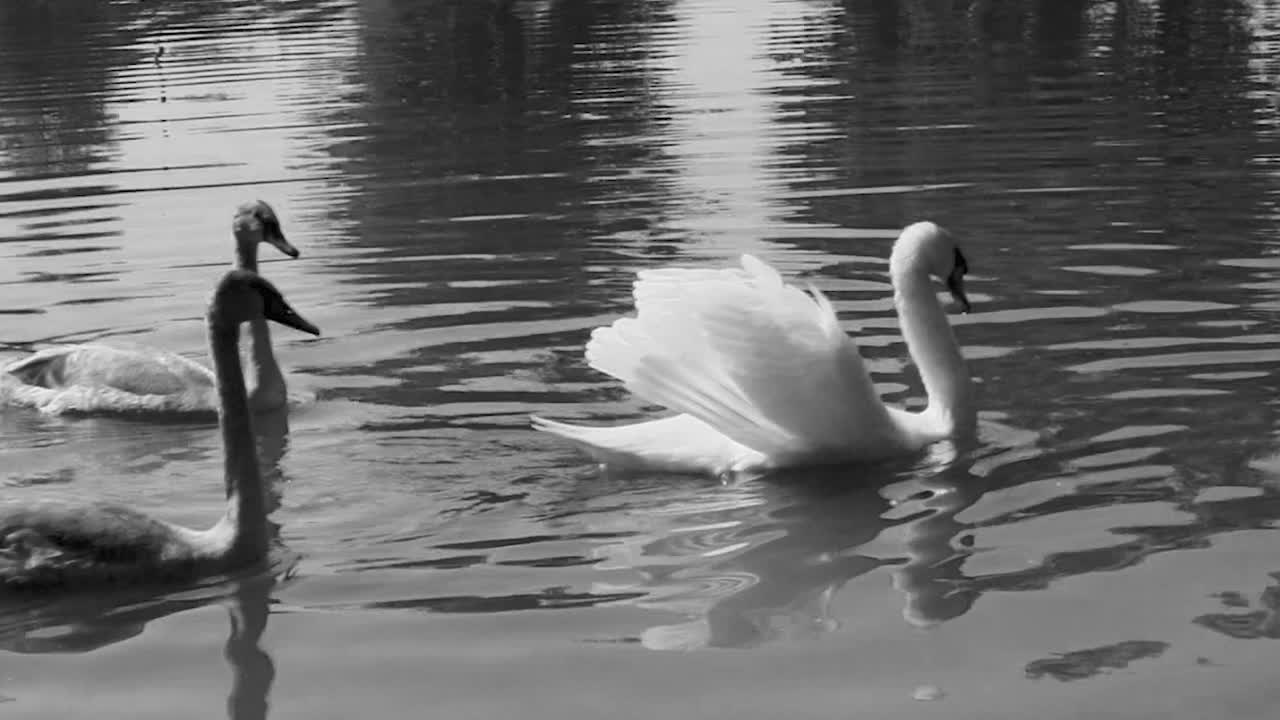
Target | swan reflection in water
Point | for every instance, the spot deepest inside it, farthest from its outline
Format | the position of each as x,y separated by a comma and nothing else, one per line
252,669
762,560
83,624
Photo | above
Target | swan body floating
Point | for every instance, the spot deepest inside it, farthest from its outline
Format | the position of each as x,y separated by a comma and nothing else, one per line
67,545
763,377
93,377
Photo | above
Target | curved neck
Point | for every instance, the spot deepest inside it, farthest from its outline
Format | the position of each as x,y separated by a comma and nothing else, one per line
268,382
246,253
246,509
934,349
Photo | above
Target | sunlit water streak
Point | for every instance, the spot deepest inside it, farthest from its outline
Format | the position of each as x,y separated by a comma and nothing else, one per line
473,186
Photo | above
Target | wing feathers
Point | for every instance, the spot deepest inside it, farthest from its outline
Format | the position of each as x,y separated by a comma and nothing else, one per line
759,360
760,369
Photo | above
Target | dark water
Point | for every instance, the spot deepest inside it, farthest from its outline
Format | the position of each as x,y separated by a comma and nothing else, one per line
473,185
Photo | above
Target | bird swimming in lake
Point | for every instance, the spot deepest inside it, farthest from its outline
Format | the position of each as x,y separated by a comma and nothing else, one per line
762,375
54,544
94,377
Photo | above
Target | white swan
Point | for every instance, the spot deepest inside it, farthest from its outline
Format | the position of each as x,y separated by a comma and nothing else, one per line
763,375
93,377
67,545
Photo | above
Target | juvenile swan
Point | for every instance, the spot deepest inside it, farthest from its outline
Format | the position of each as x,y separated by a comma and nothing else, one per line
101,378
50,544
764,377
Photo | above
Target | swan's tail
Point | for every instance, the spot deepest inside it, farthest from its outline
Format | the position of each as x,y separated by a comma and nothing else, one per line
595,441
674,444
44,368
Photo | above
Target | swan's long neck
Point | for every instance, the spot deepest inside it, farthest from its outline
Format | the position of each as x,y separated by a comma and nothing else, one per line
246,252
934,349
268,382
246,511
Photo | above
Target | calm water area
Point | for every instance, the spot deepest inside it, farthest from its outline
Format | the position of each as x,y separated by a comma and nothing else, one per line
473,185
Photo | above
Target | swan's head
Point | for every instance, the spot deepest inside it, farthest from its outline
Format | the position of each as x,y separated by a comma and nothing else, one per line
928,247
243,295
256,222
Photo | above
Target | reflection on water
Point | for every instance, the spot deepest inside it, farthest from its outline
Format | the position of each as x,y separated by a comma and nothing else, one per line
1080,664
473,186
251,666
82,625
749,565
761,560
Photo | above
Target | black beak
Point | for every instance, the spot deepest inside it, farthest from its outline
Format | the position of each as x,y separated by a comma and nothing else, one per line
272,233
955,284
282,313
955,281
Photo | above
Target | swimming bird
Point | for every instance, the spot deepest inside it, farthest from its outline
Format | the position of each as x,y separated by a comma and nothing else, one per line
762,375
52,544
94,377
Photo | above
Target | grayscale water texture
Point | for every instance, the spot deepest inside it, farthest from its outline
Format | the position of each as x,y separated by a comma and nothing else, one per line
473,185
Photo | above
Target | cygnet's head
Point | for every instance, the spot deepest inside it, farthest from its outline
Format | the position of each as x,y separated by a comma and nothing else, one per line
256,222
243,295
929,248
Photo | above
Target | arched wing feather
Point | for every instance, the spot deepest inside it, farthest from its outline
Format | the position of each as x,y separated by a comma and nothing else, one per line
758,360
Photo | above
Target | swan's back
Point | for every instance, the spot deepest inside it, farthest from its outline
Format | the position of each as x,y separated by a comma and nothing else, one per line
101,378
56,544
137,371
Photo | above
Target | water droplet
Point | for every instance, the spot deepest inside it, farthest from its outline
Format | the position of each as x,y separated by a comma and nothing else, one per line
927,693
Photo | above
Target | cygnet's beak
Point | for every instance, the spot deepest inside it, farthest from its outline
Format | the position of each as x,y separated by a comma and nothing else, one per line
271,233
955,284
284,314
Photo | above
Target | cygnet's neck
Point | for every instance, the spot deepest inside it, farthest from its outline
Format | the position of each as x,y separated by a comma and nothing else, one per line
933,347
266,380
244,527
246,250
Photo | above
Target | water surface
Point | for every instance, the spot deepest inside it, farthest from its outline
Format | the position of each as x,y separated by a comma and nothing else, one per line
473,186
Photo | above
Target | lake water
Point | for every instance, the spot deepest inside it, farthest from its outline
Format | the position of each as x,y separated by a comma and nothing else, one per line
473,185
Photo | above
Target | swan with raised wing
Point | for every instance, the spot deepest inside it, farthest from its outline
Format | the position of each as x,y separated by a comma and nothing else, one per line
63,544
94,377
764,377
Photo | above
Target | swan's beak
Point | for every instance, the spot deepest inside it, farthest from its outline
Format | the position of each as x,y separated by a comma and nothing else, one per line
955,284
281,312
271,233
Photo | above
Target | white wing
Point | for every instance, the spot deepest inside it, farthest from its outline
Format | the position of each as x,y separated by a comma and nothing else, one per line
762,362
